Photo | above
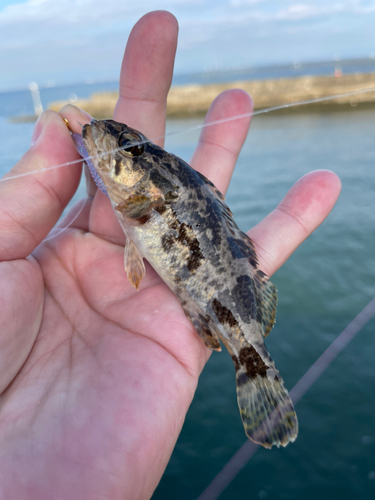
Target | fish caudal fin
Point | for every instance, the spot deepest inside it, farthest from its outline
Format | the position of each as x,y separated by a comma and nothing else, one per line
266,409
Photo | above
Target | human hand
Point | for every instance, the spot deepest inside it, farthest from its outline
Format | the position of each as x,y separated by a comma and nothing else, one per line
96,378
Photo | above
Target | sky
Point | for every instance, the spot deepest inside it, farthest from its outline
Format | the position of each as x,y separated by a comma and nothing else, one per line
69,41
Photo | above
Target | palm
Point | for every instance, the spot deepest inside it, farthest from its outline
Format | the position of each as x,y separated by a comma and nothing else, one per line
110,376
96,378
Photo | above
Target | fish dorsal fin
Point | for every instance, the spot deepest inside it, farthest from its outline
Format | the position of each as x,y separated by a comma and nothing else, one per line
266,298
213,188
265,291
134,266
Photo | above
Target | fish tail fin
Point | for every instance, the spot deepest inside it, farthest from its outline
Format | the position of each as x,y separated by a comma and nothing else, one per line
266,409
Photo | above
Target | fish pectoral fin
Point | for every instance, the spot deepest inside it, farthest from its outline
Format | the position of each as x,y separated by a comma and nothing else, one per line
134,266
268,301
137,206
204,329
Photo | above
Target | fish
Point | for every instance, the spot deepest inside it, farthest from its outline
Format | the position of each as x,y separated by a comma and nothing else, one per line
177,220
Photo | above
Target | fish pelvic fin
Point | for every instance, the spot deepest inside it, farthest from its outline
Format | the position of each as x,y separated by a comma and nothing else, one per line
133,263
266,409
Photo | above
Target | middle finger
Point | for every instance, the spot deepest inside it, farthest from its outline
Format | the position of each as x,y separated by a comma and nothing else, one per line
146,76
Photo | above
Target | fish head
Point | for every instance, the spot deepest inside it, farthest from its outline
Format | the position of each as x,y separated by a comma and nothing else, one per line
113,147
126,161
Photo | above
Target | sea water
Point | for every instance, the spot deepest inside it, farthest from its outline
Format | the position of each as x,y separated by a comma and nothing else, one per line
322,287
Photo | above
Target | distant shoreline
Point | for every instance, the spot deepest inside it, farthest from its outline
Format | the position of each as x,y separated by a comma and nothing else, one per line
193,100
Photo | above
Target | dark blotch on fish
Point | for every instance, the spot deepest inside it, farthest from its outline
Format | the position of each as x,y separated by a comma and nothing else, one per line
237,366
161,209
234,249
118,167
185,236
223,314
253,362
167,241
196,256
245,301
161,181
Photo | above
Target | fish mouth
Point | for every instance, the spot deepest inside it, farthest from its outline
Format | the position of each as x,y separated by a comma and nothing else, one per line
87,135
93,135
90,134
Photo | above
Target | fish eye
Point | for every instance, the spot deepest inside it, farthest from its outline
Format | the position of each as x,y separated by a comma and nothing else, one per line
126,143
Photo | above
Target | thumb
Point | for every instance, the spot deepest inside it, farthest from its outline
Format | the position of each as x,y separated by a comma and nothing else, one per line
30,205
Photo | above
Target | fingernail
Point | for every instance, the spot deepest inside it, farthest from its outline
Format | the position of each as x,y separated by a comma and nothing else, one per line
38,127
81,111
75,114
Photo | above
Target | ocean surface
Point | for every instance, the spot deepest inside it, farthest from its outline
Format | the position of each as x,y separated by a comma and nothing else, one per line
322,287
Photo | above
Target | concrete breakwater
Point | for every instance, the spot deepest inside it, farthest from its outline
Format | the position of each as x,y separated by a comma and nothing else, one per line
190,100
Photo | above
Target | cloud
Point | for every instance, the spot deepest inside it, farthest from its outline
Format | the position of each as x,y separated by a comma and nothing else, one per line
67,40
76,11
99,14
55,11
242,3
298,11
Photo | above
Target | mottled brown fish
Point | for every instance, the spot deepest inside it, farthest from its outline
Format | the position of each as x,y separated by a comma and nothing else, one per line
176,219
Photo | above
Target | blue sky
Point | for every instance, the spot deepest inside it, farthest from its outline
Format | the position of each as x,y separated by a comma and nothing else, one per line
79,40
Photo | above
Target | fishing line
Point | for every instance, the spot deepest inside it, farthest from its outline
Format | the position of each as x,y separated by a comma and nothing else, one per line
204,125
238,461
55,231
268,110
17,176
